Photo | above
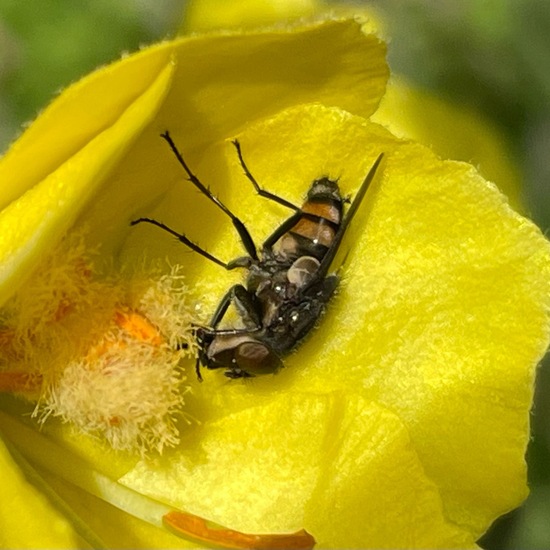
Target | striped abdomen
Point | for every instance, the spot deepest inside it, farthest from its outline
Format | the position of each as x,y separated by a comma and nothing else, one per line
316,227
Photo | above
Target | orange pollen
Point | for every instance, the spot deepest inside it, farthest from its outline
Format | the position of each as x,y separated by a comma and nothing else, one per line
138,326
114,421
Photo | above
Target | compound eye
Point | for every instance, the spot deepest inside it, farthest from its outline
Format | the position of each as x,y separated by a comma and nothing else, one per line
302,271
222,358
256,358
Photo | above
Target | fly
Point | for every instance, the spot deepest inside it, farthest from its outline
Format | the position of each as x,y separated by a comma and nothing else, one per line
288,284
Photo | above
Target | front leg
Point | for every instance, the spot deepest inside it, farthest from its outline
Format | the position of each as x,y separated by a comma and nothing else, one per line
249,310
246,303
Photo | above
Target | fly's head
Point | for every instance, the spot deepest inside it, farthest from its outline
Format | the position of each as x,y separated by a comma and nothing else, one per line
241,354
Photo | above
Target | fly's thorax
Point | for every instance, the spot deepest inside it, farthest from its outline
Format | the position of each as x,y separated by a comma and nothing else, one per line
262,273
295,318
291,302
273,292
325,189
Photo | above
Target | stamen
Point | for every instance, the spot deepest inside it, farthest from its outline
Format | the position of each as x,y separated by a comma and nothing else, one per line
197,528
100,350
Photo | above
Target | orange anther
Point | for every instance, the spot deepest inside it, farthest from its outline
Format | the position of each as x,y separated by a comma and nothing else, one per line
114,421
138,326
197,528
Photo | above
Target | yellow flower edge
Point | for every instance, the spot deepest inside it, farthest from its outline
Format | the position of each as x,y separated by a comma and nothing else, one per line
428,327
453,132
44,213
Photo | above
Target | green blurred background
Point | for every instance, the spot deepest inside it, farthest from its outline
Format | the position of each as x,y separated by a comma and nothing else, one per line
490,55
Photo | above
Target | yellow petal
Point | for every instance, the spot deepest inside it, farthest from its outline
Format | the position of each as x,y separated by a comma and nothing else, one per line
223,81
76,117
27,519
88,491
319,450
371,465
39,218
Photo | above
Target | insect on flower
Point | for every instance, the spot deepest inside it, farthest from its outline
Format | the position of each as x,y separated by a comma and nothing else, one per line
288,284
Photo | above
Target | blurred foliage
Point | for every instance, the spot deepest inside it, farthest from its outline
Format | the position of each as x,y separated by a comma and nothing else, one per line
47,44
491,55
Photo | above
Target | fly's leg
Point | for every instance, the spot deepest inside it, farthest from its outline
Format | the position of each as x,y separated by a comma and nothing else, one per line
247,306
259,190
246,239
183,239
249,311
290,222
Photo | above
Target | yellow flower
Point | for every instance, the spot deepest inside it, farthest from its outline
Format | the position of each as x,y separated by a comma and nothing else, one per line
402,421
